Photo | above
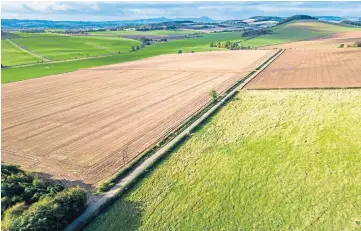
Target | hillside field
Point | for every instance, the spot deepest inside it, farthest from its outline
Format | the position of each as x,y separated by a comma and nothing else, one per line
269,160
73,47
320,68
11,54
298,30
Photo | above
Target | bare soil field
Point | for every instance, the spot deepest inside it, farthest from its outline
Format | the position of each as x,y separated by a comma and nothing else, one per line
330,41
332,68
83,127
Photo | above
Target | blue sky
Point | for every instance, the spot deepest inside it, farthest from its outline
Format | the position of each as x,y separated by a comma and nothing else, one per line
104,11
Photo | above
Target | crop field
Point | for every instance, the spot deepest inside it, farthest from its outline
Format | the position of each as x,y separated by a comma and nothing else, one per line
329,41
186,45
330,68
83,127
72,47
269,160
11,54
298,30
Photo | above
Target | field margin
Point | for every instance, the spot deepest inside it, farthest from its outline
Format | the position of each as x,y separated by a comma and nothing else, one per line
136,173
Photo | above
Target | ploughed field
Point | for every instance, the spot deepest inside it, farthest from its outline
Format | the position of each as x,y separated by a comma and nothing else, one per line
269,160
329,68
83,127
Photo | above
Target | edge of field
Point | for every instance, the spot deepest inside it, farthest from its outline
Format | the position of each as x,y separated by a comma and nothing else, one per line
149,159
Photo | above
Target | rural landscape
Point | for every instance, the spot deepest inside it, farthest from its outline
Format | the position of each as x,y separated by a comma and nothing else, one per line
239,121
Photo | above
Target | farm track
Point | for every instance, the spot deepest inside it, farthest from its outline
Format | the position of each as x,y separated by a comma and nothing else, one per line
82,127
298,69
98,202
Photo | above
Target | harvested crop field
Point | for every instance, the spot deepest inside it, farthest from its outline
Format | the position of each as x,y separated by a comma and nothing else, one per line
83,127
331,68
330,41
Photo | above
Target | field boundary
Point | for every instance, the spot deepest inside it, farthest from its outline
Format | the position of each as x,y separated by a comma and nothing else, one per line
138,171
33,53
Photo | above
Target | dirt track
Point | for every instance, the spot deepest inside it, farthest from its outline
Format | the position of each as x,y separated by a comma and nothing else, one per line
332,68
82,127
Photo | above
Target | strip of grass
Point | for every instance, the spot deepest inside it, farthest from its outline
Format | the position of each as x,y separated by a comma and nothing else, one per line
270,160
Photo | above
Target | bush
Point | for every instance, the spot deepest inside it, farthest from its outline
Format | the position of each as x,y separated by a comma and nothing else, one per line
213,94
179,51
50,213
342,46
19,186
105,186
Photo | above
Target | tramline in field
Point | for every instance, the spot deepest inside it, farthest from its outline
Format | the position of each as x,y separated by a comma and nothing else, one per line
82,127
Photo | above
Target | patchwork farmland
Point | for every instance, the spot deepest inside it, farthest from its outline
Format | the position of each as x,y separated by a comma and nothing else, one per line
330,41
331,68
83,127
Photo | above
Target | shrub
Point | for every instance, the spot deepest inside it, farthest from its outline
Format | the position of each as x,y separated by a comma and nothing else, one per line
213,94
50,213
105,186
179,51
19,186
342,45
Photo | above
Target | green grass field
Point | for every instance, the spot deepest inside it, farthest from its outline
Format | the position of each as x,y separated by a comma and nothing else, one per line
152,32
269,160
72,47
14,55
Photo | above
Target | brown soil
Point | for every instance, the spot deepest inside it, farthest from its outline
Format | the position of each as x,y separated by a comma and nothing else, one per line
332,68
83,127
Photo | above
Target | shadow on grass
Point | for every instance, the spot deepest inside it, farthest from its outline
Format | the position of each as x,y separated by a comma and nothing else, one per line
67,183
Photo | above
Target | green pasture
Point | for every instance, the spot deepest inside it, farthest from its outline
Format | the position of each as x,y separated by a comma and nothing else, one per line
269,160
14,55
74,47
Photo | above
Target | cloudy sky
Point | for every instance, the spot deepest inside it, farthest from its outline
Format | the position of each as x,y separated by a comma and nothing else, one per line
103,11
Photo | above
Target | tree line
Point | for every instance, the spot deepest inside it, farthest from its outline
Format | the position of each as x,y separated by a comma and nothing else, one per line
229,45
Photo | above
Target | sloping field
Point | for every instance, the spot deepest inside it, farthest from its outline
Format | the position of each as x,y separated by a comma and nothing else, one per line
269,160
298,30
72,47
84,126
330,41
11,54
332,68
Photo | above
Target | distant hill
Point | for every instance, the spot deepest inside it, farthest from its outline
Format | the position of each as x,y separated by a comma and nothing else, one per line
15,24
298,17
266,18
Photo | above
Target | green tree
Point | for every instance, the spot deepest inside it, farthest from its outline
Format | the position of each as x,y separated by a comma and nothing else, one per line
50,213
